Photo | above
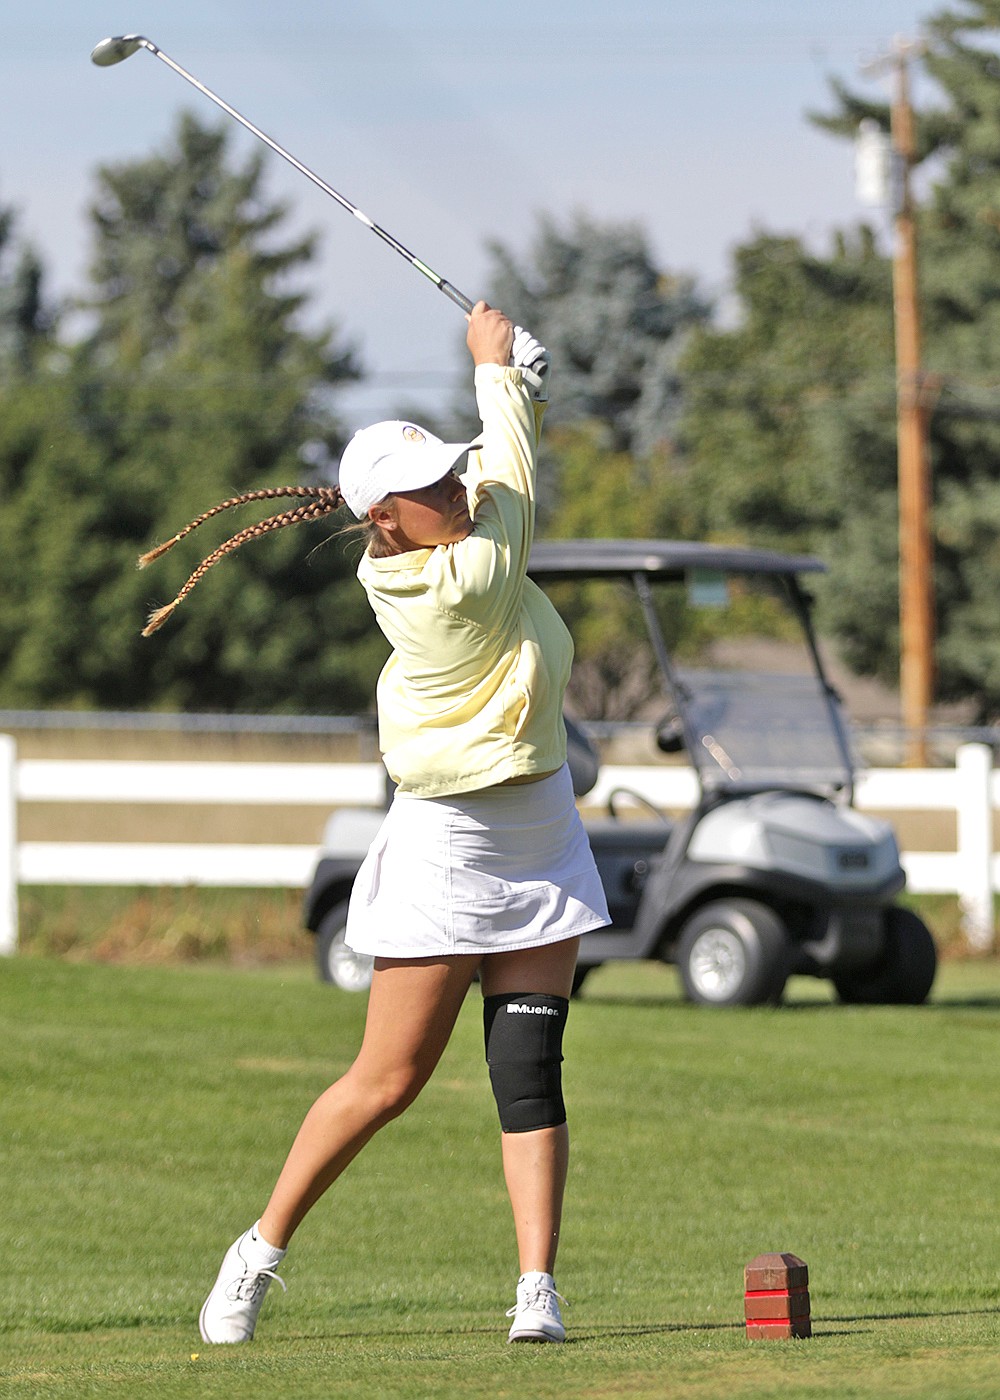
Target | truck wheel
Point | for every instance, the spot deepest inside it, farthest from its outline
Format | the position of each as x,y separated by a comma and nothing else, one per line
904,975
335,962
734,953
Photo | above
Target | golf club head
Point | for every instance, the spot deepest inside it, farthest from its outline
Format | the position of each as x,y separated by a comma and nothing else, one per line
110,51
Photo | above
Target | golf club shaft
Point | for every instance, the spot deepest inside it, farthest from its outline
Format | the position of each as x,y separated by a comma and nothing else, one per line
114,50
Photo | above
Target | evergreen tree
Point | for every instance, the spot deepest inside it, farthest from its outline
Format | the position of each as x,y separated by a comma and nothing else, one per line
790,416
196,382
27,321
614,323
160,222
804,452
960,253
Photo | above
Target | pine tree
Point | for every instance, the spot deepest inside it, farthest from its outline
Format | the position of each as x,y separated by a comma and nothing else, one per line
195,382
791,425
613,321
27,321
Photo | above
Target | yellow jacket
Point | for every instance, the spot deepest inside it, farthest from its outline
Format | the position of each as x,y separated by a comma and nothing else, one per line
472,693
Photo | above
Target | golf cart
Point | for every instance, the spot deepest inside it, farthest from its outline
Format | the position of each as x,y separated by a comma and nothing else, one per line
772,872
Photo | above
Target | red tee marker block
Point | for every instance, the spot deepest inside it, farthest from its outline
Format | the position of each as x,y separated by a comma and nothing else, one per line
777,1297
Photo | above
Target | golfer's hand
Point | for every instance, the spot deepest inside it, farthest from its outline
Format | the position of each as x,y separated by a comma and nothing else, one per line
532,359
490,335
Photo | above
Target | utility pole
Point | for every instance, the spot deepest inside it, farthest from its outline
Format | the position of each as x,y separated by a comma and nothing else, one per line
916,563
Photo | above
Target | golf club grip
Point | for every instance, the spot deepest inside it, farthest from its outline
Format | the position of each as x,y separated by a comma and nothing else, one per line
459,298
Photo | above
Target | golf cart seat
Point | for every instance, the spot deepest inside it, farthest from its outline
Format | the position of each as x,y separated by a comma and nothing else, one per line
584,763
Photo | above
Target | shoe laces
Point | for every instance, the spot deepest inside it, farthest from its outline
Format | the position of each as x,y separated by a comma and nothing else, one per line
254,1281
537,1298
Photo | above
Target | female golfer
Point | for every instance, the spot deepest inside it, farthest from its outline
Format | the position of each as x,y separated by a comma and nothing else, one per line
482,864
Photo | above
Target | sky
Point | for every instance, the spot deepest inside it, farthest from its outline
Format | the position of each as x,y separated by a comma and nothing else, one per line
453,123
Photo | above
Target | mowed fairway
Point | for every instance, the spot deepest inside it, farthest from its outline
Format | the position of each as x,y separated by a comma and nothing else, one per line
145,1112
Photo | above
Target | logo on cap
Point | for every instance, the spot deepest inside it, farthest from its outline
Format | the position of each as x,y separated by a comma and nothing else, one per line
412,434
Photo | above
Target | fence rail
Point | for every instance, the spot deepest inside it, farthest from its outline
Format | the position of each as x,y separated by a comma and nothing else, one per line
970,790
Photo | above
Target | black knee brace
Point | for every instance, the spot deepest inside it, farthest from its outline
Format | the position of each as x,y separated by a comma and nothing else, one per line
524,1052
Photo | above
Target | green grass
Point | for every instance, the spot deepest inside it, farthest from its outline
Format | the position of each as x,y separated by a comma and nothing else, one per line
145,1111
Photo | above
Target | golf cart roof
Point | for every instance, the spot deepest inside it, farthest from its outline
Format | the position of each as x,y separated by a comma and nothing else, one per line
659,558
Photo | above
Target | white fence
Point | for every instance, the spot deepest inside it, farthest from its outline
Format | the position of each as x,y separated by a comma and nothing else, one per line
969,791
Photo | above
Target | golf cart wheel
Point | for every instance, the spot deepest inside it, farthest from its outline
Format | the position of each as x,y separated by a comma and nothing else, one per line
734,953
335,962
580,975
905,973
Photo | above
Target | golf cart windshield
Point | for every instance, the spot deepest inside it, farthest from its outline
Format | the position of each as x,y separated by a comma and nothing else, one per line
752,728
737,655
727,636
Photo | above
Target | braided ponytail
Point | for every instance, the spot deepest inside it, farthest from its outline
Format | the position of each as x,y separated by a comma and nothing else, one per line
319,501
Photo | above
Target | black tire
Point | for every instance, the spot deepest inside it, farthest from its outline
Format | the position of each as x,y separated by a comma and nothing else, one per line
335,962
904,974
580,975
734,952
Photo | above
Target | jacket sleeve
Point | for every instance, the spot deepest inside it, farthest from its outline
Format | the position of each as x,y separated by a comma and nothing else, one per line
484,574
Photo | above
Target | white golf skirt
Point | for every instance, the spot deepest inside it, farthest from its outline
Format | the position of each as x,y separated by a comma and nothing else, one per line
486,872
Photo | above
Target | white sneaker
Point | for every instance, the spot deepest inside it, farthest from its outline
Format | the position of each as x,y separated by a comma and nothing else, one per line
536,1314
229,1313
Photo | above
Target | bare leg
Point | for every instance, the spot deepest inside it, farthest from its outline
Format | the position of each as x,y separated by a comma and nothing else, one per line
535,1163
412,1009
534,1168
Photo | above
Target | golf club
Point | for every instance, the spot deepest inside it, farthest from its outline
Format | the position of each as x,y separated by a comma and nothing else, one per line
114,50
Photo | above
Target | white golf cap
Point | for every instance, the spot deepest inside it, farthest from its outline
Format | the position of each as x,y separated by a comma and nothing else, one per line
394,456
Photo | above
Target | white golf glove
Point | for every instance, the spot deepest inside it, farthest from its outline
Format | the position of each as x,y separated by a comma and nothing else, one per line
532,359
